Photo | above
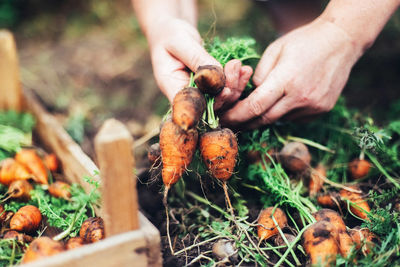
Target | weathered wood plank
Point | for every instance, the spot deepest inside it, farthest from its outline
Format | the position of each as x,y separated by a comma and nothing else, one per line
113,145
10,86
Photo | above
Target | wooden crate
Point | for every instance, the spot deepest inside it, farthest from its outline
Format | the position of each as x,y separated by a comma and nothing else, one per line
131,240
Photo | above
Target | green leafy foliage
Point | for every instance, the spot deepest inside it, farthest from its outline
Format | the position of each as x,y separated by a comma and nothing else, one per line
22,121
75,127
10,252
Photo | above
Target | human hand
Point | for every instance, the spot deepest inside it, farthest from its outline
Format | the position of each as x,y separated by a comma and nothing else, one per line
175,47
300,74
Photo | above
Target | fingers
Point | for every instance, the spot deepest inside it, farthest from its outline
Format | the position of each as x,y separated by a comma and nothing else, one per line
237,77
267,62
257,103
191,53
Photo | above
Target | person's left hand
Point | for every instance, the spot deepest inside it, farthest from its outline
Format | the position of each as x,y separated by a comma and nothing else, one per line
300,74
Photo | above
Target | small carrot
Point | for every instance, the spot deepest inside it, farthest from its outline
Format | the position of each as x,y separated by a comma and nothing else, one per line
26,219
358,206
344,240
20,189
210,79
177,149
60,189
154,154
266,227
18,236
295,157
12,170
320,243
328,200
40,248
363,238
359,168
188,107
92,230
74,242
316,180
51,162
219,150
3,214
34,163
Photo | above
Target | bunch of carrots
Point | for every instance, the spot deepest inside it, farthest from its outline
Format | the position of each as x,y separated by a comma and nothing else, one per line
20,174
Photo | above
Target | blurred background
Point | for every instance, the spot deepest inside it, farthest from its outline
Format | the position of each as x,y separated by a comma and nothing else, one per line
89,61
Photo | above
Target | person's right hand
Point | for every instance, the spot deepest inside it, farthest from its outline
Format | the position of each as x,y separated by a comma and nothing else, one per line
175,47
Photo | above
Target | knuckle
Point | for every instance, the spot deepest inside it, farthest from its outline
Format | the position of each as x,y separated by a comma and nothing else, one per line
255,107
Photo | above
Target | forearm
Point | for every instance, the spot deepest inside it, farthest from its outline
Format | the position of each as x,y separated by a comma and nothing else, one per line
362,20
152,13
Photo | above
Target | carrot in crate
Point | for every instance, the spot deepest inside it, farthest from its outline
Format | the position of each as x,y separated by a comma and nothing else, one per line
20,237
40,248
74,242
12,170
266,226
210,79
20,189
363,238
316,180
187,108
154,154
60,189
26,219
34,163
92,230
51,162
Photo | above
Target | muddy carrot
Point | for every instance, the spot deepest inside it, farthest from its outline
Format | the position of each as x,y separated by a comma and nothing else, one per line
363,238
266,227
34,163
210,79
187,108
20,189
345,242
40,248
316,179
26,219
295,157
18,236
177,149
92,230
320,243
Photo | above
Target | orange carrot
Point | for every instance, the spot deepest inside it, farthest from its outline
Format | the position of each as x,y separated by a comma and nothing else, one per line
3,214
18,236
345,242
295,157
358,206
34,163
320,243
188,107
74,242
92,230
266,226
219,150
177,149
359,168
154,154
328,200
51,162
26,219
60,189
12,170
316,180
40,248
20,189
210,79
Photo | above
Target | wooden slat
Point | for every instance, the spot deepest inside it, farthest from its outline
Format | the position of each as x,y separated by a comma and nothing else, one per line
10,86
113,145
128,249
